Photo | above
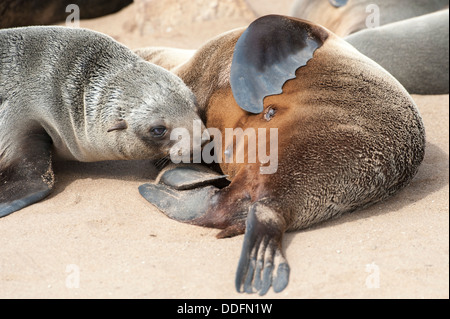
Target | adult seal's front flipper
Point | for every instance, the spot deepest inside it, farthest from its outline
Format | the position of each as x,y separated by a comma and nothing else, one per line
184,193
184,206
184,178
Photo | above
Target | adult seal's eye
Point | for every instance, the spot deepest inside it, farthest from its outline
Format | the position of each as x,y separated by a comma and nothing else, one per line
338,3
270,114
158,131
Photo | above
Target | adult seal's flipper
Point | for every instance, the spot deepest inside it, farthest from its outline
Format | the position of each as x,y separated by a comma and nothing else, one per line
262,264
184,178
183,194
267,55
183,206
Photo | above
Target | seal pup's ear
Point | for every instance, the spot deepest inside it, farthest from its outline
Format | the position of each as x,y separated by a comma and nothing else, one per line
268,54
119,126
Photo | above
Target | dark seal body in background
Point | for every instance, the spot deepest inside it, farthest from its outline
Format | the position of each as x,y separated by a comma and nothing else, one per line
344,17
20,13
415,51
409,38
79,95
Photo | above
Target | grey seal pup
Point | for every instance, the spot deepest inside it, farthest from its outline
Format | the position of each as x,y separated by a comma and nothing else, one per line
79,95
415,51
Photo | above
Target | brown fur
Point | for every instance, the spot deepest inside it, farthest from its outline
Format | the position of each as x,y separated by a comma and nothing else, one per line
311,110
349,136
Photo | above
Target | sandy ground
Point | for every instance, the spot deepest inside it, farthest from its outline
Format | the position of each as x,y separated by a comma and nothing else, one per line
95,237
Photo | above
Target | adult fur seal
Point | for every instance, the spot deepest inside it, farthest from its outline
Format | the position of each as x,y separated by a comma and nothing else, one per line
344,17
79,95
349,135
390,46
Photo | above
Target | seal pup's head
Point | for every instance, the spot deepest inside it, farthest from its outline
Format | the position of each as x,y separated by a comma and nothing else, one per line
145,106
100,101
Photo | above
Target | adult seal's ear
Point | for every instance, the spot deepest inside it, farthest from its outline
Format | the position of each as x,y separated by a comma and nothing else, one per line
268,54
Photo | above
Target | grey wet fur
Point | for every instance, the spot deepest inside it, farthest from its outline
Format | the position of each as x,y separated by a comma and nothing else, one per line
414,51
79,95
352,16
168,58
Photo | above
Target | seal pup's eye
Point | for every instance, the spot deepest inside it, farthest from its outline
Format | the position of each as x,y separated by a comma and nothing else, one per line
270,113
158,131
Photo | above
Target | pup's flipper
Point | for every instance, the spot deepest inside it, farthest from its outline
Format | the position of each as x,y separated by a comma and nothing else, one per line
28,178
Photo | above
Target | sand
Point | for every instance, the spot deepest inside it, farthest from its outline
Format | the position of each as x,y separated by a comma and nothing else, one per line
96,237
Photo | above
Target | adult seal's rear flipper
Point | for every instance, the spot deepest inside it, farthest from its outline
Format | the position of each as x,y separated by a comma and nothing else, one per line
262,264
267,55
